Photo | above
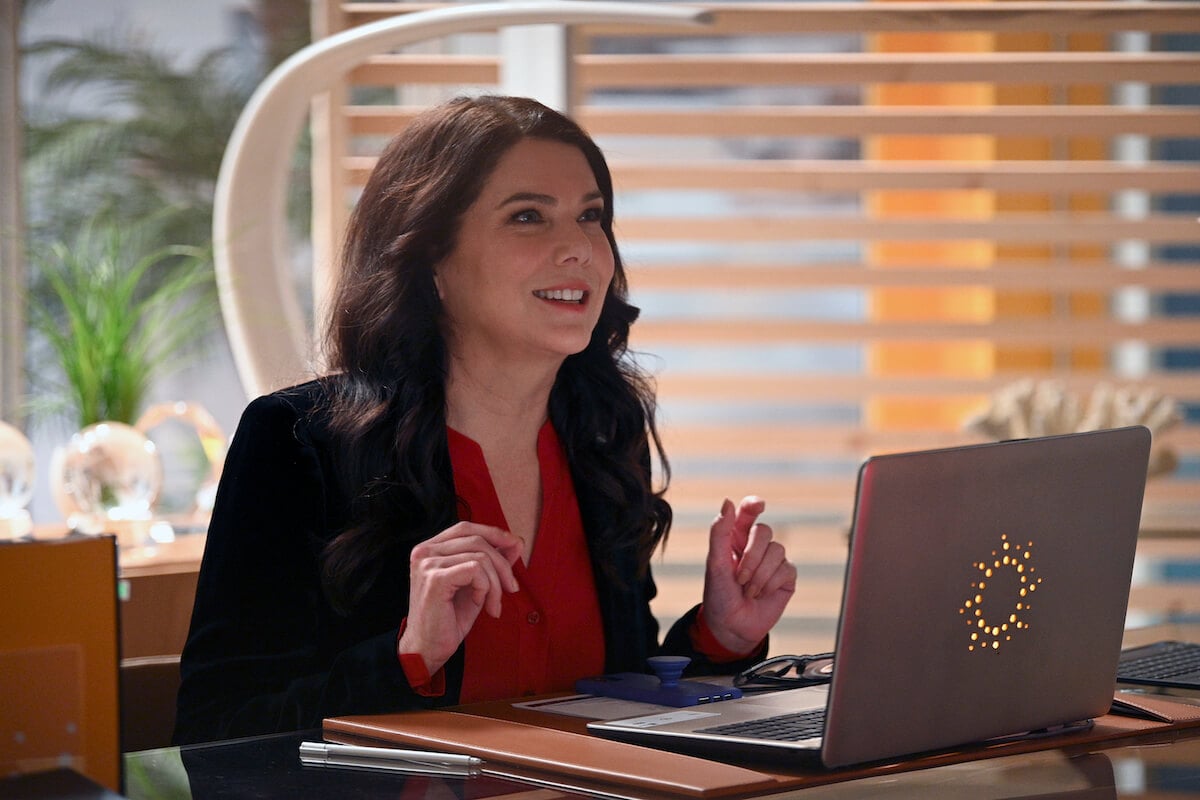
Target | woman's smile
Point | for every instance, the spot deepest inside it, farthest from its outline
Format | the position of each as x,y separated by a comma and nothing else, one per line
572,296
531,262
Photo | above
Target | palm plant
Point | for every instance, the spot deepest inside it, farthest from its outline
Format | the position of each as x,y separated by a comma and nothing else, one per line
153,141
119,203
133,170
152,132
118,315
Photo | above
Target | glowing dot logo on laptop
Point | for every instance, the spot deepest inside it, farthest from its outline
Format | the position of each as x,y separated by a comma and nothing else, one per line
1001,595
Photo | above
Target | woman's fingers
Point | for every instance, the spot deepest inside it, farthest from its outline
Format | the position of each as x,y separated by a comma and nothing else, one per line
444,575
499,546
758,541
748,579
773,572
454,575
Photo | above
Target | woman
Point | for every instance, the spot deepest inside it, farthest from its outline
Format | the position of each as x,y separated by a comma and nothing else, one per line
463,508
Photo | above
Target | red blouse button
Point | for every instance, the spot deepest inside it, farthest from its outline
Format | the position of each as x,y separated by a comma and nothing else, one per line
533,618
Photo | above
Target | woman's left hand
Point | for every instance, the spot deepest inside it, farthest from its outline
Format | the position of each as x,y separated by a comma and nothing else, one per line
748,580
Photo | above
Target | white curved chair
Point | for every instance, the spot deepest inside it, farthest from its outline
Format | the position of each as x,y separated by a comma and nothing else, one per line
266,328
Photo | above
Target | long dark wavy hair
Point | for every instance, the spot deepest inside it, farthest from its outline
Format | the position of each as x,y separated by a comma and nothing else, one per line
388,357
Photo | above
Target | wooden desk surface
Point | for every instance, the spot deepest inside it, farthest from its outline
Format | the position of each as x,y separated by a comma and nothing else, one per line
269,767
181,555
157,588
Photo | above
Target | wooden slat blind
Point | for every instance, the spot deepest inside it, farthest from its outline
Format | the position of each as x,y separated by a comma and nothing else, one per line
740,19
850,121
621,71
753,182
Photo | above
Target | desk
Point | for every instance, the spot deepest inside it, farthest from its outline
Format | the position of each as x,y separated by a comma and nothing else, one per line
268,767
158,587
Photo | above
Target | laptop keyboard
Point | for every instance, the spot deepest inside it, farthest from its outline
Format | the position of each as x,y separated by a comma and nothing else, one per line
1176,663
783,728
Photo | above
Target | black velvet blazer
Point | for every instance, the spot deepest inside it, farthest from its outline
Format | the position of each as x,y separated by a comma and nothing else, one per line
266,651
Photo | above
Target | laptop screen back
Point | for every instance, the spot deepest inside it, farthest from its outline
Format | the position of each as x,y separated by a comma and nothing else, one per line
986,592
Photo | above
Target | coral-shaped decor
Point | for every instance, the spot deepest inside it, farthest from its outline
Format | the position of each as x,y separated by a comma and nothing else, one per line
1043,408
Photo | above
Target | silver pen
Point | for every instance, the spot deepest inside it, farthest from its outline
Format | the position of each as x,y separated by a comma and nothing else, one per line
391,759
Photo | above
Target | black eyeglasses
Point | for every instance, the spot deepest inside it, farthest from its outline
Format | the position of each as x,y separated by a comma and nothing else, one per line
786,672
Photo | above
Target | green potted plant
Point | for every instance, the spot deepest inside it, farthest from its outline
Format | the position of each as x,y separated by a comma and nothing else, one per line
116,313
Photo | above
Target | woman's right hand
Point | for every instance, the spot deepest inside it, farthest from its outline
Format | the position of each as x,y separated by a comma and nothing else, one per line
454,575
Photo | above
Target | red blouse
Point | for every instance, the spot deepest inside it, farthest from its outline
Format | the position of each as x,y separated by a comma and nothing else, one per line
549,632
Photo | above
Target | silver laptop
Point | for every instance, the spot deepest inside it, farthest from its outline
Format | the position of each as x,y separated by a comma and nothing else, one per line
985,596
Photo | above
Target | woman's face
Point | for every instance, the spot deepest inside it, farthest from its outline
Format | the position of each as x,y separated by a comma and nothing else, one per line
531,265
